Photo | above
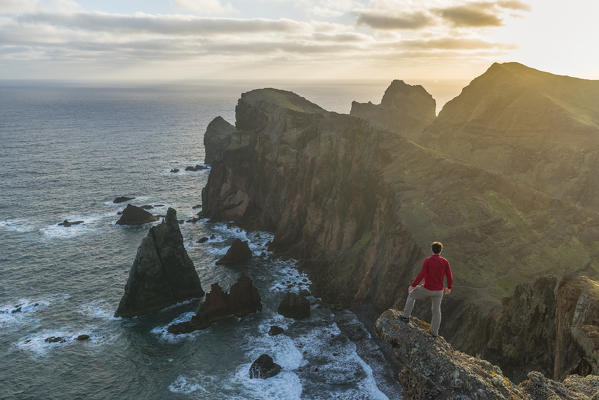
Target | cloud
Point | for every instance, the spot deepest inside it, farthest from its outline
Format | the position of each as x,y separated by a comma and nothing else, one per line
450,43
470,15
159,24
204,7
380,20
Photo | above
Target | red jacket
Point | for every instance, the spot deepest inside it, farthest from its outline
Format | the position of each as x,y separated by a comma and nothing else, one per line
434,269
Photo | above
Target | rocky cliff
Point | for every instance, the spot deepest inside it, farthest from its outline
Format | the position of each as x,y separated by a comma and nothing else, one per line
433,369
162,273
404,109
360,205
539,128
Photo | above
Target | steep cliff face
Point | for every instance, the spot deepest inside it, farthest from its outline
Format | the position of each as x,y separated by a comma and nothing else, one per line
404,109
360,205
539,128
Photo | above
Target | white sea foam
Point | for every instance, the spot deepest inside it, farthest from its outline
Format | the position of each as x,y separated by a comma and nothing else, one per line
36,343
162,331
284,386
90,225
189,385
18,225
287,274
98,309
22,311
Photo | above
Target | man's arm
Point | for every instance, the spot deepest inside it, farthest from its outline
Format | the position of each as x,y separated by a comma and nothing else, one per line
419,278
449,275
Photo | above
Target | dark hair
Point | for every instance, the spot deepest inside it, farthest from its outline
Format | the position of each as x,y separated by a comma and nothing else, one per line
437,247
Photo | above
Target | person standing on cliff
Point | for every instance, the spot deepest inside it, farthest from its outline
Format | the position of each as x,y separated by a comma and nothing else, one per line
434,269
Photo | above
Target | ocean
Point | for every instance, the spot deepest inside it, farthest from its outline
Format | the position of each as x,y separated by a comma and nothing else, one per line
67,150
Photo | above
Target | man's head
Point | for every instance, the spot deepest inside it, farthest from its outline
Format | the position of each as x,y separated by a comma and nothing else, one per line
437,247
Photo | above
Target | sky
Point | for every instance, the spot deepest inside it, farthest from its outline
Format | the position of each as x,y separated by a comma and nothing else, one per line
162,40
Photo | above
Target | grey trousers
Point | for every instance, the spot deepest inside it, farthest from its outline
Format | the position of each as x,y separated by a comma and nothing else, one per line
421,293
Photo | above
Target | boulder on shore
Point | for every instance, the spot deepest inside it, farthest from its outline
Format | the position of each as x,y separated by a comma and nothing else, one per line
122,199
243,299
264,367
162,273
133,215
433,369
66,223
239,252
294,306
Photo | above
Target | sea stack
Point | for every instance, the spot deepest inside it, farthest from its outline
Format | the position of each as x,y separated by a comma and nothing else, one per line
162,273
133,215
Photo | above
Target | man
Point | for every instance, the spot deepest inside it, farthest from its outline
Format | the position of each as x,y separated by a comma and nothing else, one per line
434,269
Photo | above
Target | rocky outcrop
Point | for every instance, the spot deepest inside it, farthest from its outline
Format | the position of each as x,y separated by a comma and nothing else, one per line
133,215
197,167
539,128
359,207
162,273
404,109
243,299
122,199
294,306
239,252
67,223
217,138
433,369
264,367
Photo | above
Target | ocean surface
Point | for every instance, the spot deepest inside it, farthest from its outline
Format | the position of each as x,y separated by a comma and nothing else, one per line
66,152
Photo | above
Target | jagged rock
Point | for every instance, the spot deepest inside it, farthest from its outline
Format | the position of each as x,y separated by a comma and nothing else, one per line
433,369
162,273
83,337
239,252
197,167
217,138
67,223
55,339
264,367
405,109
133,215
275,330
122,199
294,306
243,299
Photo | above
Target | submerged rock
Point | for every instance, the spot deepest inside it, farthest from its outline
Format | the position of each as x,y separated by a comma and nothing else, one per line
203,239
294,306
243,299
133,215
197,167
66,223
275,330
175,170
239,252
122,199
264,367
83,337
433,369
162,273
55,339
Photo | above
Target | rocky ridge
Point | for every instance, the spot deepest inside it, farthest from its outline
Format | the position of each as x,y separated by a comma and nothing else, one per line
359,206
404,109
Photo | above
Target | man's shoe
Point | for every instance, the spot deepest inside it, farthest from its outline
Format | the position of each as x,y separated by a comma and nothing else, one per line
404,318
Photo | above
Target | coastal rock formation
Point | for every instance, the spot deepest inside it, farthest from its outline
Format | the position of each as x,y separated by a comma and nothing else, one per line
359,206
243,299
294,306
533,126
219,134
67,223
433,369
162,273
404,109
239,252
197,167
122,199
264,367
133,215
